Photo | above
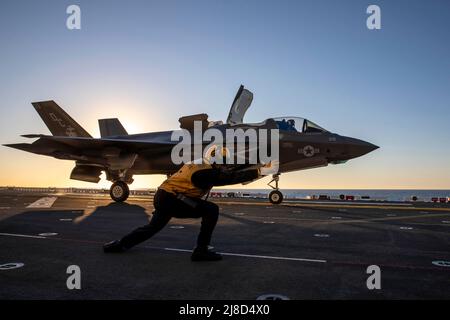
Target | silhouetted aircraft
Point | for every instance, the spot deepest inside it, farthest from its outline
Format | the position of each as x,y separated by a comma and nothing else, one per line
302,145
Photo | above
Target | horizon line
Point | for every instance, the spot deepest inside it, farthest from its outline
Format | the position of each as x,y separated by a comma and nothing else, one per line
99,188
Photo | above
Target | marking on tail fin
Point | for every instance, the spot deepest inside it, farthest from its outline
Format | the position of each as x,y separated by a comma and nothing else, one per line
58,121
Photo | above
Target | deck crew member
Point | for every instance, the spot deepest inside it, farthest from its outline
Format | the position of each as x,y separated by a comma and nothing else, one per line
181,196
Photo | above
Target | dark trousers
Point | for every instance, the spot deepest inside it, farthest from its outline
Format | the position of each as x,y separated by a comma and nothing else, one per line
168,206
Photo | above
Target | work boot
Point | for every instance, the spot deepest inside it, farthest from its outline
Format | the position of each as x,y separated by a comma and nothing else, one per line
113,247
203,254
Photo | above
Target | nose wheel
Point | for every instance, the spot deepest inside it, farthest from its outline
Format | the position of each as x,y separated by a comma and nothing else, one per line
119,191
275,196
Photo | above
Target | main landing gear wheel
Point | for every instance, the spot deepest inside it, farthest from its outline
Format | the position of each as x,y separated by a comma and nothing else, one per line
119,191
275,197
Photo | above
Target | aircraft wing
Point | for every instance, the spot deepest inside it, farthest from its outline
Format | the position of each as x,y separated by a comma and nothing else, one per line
131,145
82,148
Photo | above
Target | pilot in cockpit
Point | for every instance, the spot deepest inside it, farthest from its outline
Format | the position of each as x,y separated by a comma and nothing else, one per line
282,125
291,125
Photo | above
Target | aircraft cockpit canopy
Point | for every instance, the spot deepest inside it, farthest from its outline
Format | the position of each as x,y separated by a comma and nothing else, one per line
296,124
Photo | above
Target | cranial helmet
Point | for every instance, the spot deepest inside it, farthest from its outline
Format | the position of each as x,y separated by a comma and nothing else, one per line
216,154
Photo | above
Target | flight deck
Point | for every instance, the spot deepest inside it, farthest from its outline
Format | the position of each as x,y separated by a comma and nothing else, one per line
297,250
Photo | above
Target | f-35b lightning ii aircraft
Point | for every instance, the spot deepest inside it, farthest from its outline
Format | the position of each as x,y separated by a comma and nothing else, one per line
302,145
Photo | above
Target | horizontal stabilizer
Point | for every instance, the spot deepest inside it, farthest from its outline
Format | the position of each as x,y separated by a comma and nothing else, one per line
111,127
58,121
28,147
22,146
32,135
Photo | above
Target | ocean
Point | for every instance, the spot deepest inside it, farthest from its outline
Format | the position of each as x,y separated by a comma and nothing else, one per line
376,194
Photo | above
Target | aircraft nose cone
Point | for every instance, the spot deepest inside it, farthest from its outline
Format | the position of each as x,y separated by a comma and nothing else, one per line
358,148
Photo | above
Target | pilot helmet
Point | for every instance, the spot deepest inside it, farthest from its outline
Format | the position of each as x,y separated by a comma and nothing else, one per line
216,154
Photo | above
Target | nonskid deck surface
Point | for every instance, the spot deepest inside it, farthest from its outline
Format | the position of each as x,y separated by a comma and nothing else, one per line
301,250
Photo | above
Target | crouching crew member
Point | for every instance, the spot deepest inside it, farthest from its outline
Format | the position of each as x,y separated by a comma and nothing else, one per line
180,196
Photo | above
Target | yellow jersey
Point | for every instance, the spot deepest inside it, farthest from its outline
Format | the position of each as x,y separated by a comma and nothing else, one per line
181,182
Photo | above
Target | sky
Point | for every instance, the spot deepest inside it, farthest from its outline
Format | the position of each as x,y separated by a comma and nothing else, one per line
150,62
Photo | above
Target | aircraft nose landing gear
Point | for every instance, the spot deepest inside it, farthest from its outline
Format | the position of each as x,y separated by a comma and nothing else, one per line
119,191
275,196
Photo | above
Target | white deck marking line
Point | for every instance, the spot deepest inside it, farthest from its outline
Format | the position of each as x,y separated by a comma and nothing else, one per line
253,256
45,202
186,250
350,219
322,235
21,235
309,205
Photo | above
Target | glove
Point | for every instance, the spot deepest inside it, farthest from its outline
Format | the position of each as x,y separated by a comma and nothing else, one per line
270,168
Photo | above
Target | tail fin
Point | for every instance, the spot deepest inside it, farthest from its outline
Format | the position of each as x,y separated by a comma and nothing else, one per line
58,121
111,127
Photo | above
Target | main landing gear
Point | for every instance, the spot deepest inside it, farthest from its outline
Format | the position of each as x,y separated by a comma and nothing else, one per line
119,191
275,196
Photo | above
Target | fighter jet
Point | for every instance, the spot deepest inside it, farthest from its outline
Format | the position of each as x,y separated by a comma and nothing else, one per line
302,145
